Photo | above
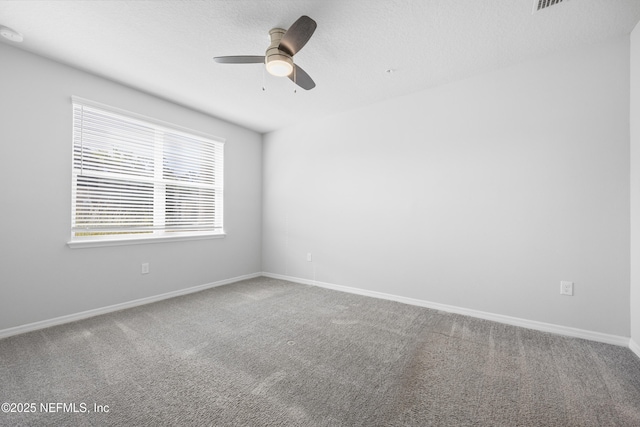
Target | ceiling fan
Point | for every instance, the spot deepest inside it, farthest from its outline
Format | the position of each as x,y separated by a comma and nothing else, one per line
279,56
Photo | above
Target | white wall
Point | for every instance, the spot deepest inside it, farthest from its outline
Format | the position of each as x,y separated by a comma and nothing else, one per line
482,194
41,278
635,187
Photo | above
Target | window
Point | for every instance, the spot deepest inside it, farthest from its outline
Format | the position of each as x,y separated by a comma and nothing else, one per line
136,178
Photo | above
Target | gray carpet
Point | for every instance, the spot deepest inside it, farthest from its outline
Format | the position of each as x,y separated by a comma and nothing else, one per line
266,352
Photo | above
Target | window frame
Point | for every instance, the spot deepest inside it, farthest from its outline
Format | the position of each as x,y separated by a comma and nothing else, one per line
158,234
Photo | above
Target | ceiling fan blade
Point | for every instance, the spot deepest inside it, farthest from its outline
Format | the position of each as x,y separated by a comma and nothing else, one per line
239,59
301,78
297,35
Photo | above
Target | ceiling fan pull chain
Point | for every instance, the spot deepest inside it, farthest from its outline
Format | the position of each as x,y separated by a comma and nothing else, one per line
264,85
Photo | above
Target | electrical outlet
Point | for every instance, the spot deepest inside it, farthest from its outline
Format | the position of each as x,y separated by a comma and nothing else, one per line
566,288
309,257
145,268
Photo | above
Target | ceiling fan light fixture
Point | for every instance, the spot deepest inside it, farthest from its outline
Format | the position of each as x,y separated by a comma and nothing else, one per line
279,65
278,59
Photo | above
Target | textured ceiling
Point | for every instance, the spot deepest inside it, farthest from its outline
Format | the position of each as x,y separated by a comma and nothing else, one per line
166,47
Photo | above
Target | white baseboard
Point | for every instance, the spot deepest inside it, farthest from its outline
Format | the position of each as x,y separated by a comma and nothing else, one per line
515,321
530,324
634,347
4,333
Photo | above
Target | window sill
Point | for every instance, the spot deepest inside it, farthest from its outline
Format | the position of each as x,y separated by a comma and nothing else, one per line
96,243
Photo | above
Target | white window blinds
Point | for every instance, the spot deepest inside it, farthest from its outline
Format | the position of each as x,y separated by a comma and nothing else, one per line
135,178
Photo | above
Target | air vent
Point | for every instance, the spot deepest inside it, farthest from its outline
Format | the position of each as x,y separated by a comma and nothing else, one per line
539,5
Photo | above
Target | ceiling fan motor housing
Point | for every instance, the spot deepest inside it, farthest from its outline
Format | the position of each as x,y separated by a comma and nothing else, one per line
278,63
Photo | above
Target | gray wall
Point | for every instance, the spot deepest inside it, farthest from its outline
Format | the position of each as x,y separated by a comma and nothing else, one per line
482,194
635,186
41,278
